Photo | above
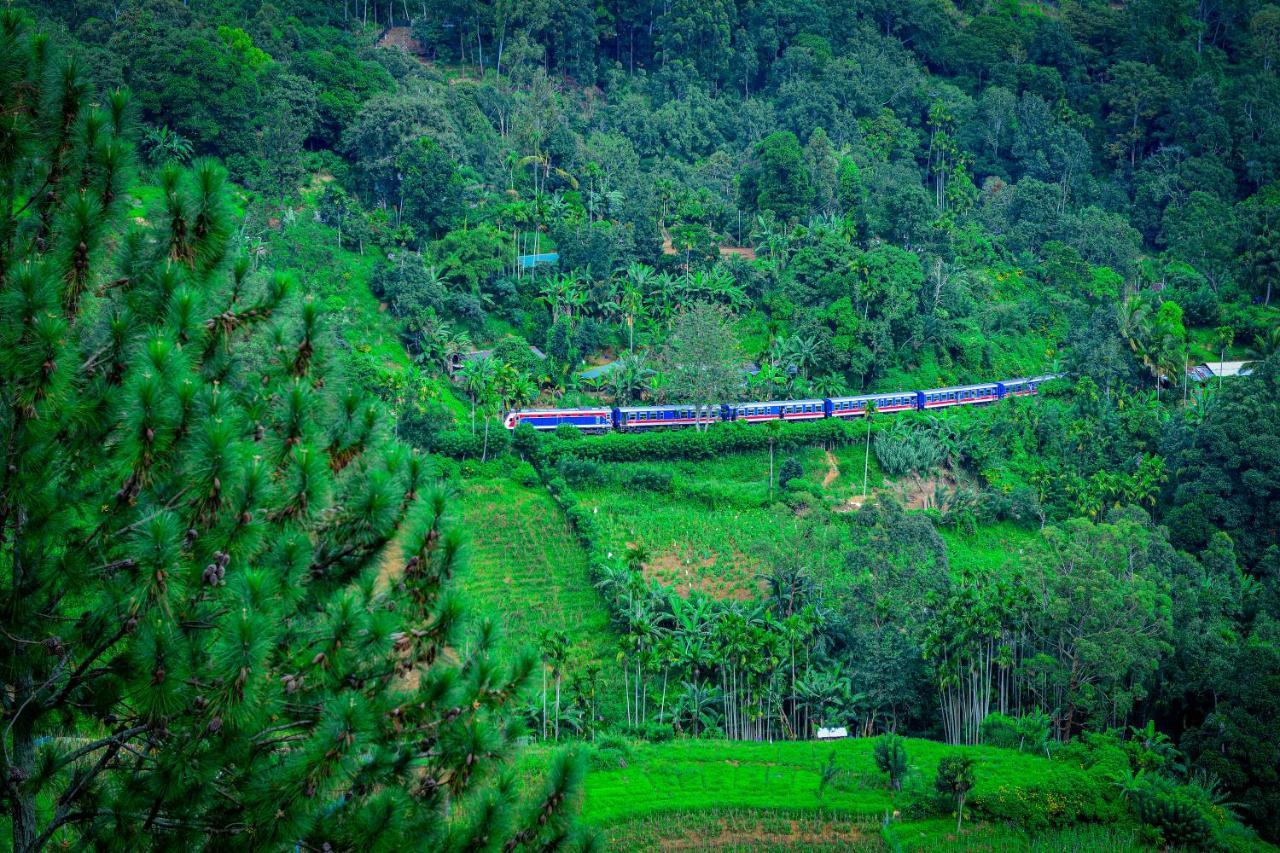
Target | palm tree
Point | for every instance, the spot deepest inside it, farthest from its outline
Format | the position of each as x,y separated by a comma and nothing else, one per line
477,378
866,453
163,145
800,352
698,704
633,298
1266,344
828,385
1134,320
628,376
1223,335
554,646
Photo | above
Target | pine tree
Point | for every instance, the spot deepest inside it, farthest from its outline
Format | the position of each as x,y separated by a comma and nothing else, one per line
223,586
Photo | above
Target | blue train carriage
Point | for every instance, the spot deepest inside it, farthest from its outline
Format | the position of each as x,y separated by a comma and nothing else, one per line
546,420
961,395
778,410
657,417
1026,386
852,407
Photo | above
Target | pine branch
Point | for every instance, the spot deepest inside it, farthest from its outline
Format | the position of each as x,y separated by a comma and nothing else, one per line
117,738
78,674
64,814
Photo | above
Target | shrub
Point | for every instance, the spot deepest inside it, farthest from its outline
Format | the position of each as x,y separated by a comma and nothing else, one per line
1175,812
651,480
918,800
1000,730
891,758
580,472
459,444
1027,733
1067,795
525,441
791,470
565,432
525,475
955,779
1101,755
610,752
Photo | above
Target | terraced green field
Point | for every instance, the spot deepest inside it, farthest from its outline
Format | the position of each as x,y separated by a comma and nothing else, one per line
716,530
698,775
759,796
526,567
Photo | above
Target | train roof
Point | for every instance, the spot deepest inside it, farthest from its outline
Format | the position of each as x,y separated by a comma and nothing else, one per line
670,406
1043,378
961,387
819,401
583,409
885,396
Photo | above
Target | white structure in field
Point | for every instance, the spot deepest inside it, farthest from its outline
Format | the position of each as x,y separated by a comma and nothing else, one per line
832,734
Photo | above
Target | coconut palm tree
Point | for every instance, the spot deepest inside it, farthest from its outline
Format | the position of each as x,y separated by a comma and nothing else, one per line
478,376
633,298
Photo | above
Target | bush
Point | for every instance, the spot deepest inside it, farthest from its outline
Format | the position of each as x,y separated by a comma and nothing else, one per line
1175,811
791,470
919,801
610,752
524,474
891,758
692,444
1027,733
651,480
1067,795
459,444
580,472
650,732
566,432
1000,730
1102,756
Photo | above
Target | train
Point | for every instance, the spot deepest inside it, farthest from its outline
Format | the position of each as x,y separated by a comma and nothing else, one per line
677,415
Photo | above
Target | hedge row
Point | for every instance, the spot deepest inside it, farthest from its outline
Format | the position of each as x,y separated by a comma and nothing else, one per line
693,444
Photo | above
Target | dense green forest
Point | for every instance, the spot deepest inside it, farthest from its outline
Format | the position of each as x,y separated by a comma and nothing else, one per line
275,575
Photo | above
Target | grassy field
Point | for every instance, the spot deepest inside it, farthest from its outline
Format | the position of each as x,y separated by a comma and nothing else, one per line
696,775
717,528
526,567
734,795
990,547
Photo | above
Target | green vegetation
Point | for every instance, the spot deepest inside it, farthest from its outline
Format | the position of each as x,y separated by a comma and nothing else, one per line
209,637
235,502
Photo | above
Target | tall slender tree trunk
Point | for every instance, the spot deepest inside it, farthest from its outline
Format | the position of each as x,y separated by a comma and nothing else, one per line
559,675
